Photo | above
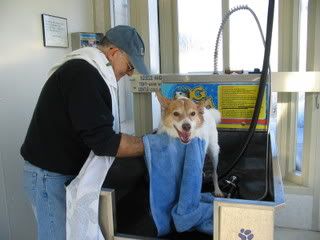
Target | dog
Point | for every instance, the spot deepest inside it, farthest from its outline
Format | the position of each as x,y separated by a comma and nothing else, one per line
184,119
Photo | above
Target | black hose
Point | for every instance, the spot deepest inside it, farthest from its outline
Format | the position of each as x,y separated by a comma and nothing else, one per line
262,87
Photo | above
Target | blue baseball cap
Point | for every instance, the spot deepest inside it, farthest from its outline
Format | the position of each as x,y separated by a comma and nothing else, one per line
129,40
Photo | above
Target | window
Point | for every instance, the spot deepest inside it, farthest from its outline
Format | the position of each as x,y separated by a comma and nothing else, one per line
196,44
246,46
198,26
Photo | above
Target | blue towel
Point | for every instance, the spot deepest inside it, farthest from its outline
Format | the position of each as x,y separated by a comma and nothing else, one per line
175,172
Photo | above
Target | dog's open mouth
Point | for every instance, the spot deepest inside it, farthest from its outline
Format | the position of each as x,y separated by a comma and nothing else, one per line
184,136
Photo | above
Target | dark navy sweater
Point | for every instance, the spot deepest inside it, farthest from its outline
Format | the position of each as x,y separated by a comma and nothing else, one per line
73,116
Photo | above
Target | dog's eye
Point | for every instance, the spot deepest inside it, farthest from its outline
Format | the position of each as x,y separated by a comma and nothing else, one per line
193,114
176,114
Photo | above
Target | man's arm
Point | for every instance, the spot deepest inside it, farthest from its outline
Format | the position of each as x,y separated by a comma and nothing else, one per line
130,146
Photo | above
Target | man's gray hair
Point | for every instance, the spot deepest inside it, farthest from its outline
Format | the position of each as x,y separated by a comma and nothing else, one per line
104,42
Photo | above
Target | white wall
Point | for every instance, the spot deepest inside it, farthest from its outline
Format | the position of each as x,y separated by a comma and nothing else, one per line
24,63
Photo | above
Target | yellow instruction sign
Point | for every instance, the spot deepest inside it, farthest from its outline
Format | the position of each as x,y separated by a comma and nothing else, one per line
238,101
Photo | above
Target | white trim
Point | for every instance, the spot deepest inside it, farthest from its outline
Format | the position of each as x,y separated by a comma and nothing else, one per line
295,82
226,37
293,188
309,146
291,173
288,55
168,35
5,220
140,19
101,15
313,63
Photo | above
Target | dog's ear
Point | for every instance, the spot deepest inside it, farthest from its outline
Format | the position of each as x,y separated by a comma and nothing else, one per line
205,103
164,102
200,109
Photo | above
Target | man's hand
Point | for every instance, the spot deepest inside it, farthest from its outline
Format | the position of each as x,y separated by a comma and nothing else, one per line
130,146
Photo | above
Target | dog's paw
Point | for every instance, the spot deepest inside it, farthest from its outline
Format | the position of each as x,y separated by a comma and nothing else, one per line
245,234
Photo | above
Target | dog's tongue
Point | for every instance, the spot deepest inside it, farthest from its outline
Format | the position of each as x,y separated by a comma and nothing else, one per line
184,136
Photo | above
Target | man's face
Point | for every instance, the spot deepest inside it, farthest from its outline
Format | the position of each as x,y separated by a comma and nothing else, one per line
121,64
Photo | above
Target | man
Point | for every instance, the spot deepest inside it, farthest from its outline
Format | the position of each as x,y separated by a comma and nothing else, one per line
75,115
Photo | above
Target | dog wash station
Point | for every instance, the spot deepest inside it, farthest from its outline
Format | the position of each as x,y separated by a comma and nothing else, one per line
249,173
248,170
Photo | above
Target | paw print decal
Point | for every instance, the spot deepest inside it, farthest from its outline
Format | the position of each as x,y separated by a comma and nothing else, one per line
245,234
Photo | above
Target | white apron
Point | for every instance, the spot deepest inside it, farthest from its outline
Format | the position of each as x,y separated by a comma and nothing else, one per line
82,194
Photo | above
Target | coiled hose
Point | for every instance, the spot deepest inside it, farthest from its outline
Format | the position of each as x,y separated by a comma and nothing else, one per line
224,20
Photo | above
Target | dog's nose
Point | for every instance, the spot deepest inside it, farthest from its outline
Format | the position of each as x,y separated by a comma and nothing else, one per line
186,127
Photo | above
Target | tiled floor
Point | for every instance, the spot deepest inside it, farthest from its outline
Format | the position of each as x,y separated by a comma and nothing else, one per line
294,234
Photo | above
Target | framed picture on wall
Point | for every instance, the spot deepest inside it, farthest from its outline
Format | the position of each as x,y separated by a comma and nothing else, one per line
55,31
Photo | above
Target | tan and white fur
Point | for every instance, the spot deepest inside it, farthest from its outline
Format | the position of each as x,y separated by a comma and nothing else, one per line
184,119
